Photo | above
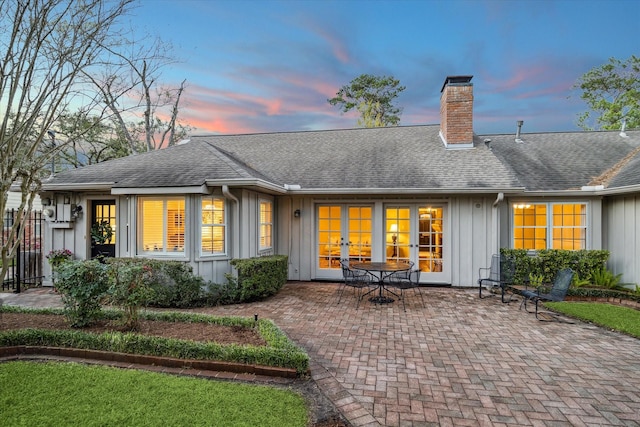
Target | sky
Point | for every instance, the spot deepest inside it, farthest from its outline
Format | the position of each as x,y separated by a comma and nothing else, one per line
256,66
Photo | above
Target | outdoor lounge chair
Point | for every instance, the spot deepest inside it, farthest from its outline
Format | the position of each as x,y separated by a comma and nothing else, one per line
405,280
557,293
500,273
358,280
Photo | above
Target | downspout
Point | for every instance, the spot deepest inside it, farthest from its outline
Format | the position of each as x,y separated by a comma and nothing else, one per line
236,222
498,199
496,223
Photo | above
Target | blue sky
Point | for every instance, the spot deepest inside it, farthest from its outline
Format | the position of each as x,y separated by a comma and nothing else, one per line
269,66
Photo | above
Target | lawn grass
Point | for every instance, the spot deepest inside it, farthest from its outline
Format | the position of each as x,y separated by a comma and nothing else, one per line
621,319
72,394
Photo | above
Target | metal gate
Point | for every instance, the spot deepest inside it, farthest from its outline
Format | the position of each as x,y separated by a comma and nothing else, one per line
25,269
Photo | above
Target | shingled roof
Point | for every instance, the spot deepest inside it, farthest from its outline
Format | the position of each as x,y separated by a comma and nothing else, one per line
569,160
404,159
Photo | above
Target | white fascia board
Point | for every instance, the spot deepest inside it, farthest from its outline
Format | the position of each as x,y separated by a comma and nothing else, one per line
363,191
90,186
243,182
558,193
620,190
197,189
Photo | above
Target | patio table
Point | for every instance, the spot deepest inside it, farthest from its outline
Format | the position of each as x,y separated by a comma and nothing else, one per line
381,270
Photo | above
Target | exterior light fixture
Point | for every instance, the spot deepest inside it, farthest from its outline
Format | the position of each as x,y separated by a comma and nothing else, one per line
297,213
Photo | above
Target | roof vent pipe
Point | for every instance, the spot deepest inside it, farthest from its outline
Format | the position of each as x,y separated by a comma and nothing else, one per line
623,132
519,123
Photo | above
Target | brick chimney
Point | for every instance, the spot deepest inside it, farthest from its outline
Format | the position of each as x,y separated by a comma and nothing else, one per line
456,112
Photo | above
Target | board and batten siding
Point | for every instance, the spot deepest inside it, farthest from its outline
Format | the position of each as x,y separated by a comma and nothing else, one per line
473,237
470,221
621,236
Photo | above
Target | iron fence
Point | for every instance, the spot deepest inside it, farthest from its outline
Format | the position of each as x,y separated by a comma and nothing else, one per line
25,268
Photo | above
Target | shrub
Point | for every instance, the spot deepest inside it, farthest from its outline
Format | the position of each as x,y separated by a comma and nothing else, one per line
56,258
175,285
261,277
82,285
547,262
131,287
280,350
222,294
604,278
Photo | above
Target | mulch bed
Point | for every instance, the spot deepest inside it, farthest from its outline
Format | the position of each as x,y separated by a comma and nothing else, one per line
324,412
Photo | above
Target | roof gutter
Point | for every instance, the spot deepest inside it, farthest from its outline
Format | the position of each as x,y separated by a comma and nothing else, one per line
195,189
260,183
395,191
77,187
498,199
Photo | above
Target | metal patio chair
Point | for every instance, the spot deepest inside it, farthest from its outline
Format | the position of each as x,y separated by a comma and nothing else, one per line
557,292
357,280
499,274
404,281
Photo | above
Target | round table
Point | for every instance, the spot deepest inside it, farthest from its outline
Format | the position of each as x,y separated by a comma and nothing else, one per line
381,270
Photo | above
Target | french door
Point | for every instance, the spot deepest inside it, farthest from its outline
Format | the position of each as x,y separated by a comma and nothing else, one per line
343,232
416,232
402,232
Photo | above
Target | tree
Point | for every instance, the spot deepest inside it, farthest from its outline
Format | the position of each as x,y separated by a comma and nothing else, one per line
612,92
128,85
89,139
44,47
373,97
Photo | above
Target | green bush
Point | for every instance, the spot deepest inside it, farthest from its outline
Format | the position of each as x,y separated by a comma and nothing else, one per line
616,294
175,285
223,294
130,287
259,278
82,286
546,263
604,278
280,351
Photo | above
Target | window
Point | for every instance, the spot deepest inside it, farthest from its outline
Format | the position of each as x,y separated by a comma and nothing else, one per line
549,226
213,228
161,223
266,224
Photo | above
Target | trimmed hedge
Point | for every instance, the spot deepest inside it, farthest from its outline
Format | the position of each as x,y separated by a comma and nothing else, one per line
586,292
173,282
279,351
547,262
261,277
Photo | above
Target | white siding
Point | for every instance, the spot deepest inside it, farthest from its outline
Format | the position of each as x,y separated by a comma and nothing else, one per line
471,233
13,201
621,236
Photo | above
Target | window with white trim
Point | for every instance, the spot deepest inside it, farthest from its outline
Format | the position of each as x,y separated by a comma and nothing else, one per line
161,225
549,226
266,225
213,231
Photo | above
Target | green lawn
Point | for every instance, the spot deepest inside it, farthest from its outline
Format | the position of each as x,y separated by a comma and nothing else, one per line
621,319
71,394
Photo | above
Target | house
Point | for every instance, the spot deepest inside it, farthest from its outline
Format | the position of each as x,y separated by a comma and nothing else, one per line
438,195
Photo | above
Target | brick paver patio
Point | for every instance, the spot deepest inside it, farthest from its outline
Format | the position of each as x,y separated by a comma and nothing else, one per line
458,361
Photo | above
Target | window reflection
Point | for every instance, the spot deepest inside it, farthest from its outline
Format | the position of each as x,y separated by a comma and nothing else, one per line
566,222
213,227
161,225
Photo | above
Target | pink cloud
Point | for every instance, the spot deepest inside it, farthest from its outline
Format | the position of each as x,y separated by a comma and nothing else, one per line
338,48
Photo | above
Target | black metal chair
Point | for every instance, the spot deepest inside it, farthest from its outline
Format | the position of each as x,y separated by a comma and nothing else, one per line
403,281
499,274
357,280
557,292
402,274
